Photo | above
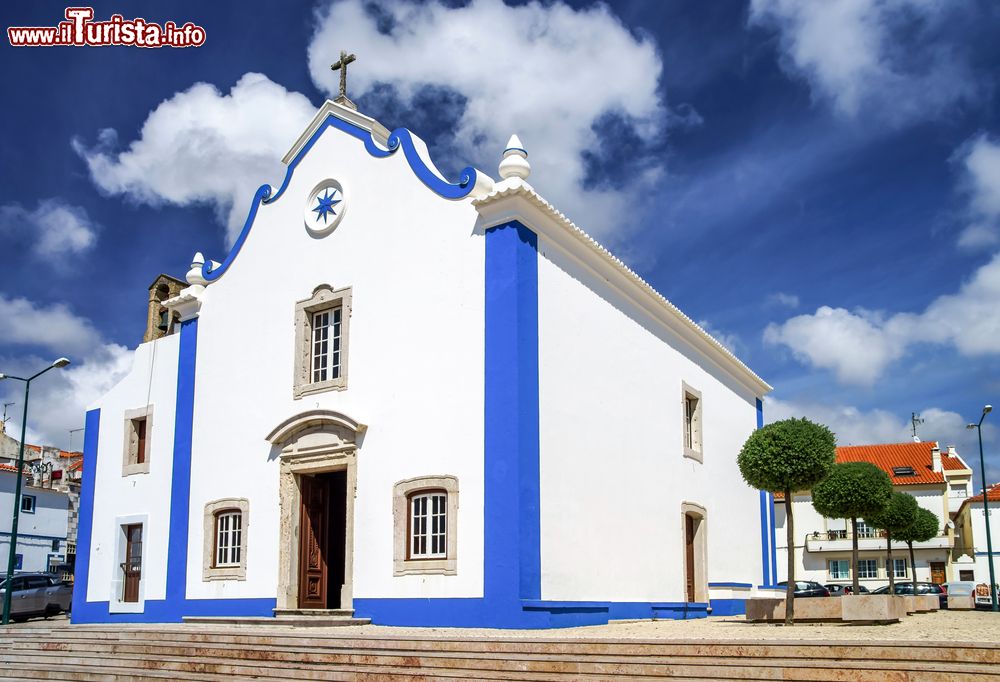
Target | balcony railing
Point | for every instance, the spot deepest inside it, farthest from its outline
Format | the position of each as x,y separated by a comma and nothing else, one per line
845,535
840,540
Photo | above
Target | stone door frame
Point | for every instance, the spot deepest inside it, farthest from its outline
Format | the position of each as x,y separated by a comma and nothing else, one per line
313,442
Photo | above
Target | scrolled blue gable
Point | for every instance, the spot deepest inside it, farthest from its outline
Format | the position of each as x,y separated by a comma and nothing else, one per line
400,138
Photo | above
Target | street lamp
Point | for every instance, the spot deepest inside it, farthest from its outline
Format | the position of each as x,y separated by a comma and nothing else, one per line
61,362
986,507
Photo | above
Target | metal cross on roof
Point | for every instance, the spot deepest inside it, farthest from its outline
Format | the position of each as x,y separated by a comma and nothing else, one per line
341,65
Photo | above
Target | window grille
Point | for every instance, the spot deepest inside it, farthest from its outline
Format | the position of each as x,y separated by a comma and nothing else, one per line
428,525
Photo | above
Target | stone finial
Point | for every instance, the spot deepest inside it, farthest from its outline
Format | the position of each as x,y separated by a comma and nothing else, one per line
515,160
194,276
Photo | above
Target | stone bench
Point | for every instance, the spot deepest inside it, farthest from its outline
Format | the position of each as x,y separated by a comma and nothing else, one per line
858,609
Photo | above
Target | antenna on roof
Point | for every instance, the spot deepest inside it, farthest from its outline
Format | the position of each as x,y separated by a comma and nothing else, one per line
3,422
71,432
915,420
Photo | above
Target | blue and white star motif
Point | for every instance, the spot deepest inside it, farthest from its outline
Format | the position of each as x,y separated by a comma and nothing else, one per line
325,204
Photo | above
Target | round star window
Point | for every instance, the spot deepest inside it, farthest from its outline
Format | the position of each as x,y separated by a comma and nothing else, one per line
324,208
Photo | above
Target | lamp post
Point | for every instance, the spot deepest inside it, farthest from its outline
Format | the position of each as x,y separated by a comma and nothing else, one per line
61,362
986,506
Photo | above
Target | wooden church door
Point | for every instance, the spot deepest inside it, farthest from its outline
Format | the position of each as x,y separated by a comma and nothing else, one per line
313,530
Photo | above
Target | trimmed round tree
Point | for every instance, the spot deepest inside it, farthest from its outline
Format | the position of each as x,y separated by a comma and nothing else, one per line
925,527
897,516
784,457
852,490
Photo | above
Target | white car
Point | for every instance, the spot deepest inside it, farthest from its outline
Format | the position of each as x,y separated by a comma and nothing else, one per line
37,594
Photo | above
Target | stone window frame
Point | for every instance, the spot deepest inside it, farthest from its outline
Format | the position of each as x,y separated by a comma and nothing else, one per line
696,451
324,297
129,466
401,492
209,571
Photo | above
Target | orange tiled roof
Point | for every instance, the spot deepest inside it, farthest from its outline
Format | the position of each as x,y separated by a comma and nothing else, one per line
916,455
11,468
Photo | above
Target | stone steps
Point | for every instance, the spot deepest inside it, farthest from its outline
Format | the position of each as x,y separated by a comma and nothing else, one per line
215,652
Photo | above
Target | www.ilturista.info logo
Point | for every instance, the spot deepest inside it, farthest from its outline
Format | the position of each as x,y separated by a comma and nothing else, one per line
80,29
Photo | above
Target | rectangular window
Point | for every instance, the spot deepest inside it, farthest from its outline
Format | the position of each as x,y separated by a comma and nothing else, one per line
138,431
866,531
840,569
326,340
428,526
55,545
691,406
18,562
867,568
228,538
28,504
898,568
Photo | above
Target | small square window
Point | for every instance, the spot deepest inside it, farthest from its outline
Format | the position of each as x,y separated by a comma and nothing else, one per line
867,568
28,504
138,432
839,569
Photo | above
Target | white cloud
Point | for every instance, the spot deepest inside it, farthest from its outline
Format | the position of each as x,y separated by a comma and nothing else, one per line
783,299
204,147
53,327
55,229
980,158
886,57
60,398
859,345
857,427
531,70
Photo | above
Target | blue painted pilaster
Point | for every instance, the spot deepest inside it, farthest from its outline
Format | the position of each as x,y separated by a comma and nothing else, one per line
85,526
180,484
512,556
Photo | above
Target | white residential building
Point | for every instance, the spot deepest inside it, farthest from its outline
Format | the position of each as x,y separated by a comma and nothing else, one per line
42,523
939,480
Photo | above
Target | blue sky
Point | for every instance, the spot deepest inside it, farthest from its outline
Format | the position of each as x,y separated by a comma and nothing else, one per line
817,183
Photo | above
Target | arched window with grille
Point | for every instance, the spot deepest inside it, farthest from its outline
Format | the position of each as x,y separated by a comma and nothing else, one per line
225,543
425,516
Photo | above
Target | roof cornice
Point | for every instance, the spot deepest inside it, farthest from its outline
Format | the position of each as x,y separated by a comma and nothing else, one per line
515,199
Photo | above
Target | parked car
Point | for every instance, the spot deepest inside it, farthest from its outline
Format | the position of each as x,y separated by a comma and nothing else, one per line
841,590
37,594
807,588
922,588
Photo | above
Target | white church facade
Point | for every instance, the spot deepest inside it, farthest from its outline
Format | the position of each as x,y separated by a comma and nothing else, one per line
423,402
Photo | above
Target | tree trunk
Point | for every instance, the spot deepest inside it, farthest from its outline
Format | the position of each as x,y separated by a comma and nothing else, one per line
854,553
913,568
790,542
888,559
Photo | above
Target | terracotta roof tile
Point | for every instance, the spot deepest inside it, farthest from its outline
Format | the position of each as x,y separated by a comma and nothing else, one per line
915,455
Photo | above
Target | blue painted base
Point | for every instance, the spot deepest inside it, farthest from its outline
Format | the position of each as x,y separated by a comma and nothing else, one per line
455,613
729,607
524,614
166,611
